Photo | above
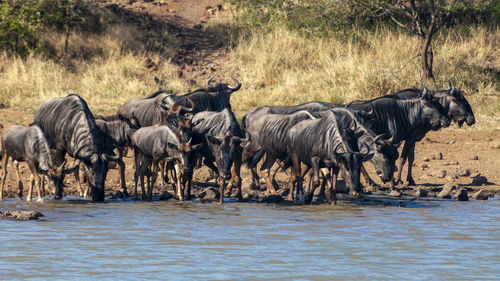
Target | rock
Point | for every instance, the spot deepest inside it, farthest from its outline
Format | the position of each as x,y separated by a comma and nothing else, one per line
165,195
454,163
21,215
440,174
461,195
463,172
426,159
446,191
437,156
421,192
395,193
480,195
473,175
474,156
273,199
209,193
451,177
479,180
495,144
118,194
446,163
451,142
424,166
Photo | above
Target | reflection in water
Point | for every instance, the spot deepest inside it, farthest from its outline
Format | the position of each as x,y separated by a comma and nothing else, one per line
248,241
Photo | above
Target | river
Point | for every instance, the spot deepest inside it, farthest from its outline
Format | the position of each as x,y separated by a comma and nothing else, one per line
361,240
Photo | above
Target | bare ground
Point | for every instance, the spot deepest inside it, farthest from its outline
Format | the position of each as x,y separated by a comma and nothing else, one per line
446,156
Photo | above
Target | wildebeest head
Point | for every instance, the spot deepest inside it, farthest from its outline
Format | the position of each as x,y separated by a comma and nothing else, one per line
228,146
352,161
384,157
222,87
433,113
56,175
460,110
97,170
184,153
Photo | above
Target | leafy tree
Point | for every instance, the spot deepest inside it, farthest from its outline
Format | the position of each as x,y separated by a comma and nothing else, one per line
20,23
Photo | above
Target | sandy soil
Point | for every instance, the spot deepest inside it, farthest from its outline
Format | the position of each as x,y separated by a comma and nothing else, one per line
442,157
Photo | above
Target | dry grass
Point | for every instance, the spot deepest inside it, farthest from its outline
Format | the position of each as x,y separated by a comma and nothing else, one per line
277,67
283,67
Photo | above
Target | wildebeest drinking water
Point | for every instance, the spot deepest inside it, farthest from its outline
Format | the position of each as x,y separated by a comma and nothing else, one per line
29,144
71,127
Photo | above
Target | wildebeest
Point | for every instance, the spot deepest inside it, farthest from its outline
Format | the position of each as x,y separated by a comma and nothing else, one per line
118,130
29,144
213,98
155,109
312,106
402,120
222,138
456,107
268,133
327,142
155,143
71,127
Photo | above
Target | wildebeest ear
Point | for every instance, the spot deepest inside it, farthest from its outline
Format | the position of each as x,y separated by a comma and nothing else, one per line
214,140
380,139
426,95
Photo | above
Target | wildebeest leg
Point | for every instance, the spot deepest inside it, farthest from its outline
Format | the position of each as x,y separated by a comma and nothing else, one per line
368,180
151,183
19,182
33,180
235,176
59,159
324,174
333,186
404,155
180,191
5,159
295,177
121,170
266,166
411,158
76,173
255,176
314,178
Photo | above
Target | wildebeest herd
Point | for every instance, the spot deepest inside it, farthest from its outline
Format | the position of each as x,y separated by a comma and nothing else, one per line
173,135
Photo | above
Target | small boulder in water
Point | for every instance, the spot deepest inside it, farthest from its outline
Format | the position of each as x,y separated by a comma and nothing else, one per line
165,196
480,195
209,193
446,191
421,192
395,193
461,195
21,215
479,180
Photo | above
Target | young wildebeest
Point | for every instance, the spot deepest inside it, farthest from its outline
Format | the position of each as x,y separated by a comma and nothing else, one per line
71,127
222,138
155,143
268,133
401,119
29,144
455,105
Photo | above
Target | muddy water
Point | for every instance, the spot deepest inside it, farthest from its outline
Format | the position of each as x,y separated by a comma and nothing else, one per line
248,241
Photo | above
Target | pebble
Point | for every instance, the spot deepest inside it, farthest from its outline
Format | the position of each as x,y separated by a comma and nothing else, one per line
474,156
440,174
437,156
21,215
421,192
395,193
463,172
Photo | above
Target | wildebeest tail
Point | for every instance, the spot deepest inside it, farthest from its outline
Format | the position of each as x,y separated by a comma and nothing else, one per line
256,158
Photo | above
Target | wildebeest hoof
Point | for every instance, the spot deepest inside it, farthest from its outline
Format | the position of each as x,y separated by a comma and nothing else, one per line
411,182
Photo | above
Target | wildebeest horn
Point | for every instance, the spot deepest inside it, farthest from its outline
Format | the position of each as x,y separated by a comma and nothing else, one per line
367,152
108,157
353,125
75,154
451,85
191,103
209,80
379,138
391,140
63,163
189,141
336,147
235,88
